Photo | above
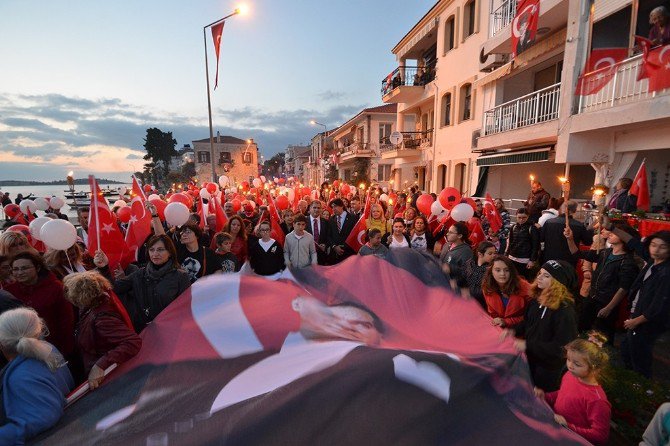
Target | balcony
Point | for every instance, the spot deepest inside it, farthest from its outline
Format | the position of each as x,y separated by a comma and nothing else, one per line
410,147
501,16
622,88
356,150
406,84
537,107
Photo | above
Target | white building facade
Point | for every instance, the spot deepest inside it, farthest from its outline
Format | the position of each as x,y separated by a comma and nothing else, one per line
234,157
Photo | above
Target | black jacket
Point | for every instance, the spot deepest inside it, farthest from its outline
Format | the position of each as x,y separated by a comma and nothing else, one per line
654,299
611,274
266,263
555,244
536,203
321,255
339,238
524,241
147,291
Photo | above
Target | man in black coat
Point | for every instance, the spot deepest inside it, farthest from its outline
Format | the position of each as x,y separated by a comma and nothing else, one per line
538,200
319,228
555,244
340,226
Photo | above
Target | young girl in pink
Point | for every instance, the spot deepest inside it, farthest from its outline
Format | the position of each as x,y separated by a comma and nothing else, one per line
581,404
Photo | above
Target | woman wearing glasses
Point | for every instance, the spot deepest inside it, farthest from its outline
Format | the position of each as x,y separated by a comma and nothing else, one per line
147,291
198,261
266,256
38,288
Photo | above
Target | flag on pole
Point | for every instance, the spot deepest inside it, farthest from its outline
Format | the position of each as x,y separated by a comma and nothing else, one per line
139,226
599,69
217,31
492,214
202,212
476,232
221,219
275,224
640,188
103,232
356,238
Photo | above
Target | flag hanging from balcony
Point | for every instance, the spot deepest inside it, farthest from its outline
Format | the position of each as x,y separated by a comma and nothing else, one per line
599,69
640,188
524,25
217,31
655,65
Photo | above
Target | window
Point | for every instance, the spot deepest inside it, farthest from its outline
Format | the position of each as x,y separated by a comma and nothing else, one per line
441,176
469,12
466,101
203,157
449,31
446,109
384,133
246,158
383,172
224,157
459,176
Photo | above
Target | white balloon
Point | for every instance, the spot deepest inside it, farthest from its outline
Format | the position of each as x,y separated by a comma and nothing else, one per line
27,206
153,197
436,208
385,189
41,204
224,181
384,198
291,194
56,202
263,179
462,212
276,180
256,182
58,234
120,203
176,214
315,194
204,193
36,225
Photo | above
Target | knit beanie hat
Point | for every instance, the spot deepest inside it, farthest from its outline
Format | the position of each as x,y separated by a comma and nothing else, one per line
561,271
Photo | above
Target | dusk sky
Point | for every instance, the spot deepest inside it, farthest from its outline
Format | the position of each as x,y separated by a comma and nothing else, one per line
82,80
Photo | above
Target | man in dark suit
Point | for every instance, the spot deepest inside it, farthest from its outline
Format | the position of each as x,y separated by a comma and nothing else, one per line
340,226
356,207
318,227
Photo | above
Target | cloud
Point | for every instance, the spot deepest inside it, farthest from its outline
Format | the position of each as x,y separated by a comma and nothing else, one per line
79,133
330,95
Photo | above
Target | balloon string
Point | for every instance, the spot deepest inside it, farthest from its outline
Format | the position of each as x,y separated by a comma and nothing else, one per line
69,261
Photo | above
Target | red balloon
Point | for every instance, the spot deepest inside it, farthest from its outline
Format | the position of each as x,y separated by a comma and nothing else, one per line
148,187
345,189
336,183
211,188
160,207
253,190
306,191
182,198
471,202
449,197
194,193
12,210
237,204
245,185
393,197
282,180
423,203
282,202
124,214
23,229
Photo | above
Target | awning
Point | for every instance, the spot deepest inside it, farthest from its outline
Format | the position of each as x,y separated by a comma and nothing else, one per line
418,36
494,75
521,157
541,48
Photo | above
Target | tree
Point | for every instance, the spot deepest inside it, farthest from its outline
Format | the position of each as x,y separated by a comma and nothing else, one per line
361,171
160,147
188,170
275,165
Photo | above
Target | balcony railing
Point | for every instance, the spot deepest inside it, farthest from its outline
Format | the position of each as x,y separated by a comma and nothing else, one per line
622,86
534,108
410,140
356,148
411,76
501,16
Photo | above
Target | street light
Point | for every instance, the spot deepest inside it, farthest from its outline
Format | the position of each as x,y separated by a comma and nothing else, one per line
242,10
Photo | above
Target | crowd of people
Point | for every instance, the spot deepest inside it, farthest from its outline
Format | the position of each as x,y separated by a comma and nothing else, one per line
554,285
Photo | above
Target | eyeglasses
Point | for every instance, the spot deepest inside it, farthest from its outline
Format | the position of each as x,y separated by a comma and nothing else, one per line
22,268
265,230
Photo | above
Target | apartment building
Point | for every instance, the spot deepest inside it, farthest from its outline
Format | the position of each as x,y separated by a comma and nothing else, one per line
487,121
360,143
295,161
319,161
234,157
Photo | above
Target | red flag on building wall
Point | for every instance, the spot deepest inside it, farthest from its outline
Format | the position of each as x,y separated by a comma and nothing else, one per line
492,214
356,237
103,231
139,226
640,188
599,69
524,25
217,31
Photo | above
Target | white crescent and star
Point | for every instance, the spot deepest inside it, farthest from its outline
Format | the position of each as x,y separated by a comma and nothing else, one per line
661,54
515,22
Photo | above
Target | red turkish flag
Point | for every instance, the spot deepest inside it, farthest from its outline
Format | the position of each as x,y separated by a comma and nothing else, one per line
221,219
492,214
476,232
139,226
356,237
217,31
103,232
655,66
599,69
275,223
640,188
524,25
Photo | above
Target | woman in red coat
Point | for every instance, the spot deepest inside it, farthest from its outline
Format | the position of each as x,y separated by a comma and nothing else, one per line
105,335
39,289
506,293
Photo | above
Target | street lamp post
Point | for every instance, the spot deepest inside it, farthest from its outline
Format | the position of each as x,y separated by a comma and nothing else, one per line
209,99
323,140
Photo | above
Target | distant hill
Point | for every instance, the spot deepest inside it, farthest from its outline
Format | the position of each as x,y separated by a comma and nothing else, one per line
78,181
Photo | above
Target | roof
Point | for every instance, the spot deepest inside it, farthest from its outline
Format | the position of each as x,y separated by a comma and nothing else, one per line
225,139
431,12
390,109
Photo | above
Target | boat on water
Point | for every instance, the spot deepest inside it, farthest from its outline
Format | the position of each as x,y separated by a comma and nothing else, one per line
81,195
